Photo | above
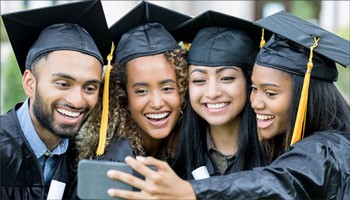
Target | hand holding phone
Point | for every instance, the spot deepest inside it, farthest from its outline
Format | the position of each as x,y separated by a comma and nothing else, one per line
93,181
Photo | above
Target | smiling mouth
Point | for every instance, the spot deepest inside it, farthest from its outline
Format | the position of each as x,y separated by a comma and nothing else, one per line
264,117
158,116
264,121
216,105
68,113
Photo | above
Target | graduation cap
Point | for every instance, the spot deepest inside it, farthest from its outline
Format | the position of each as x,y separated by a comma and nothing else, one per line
188,30
145,31
79,26
219,39
304,49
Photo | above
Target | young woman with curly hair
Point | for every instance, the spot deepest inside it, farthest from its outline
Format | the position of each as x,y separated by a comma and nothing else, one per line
147,86
121,123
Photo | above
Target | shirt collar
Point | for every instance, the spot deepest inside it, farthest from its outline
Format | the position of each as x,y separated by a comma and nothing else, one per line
31,135
210,143
212,148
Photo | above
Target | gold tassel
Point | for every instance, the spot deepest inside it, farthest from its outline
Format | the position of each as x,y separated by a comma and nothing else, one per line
105,104
187,45
299,126
262,42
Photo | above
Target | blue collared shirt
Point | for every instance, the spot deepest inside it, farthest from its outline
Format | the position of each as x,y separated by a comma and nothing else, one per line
47,159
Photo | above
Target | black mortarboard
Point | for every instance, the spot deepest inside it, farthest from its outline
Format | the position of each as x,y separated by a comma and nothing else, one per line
289,49
141,32
219,39
145,31
75,26
304,49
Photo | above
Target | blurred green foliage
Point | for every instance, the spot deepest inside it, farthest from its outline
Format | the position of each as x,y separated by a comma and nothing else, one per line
3,34
343,83
11,84
309,10
306,9
11,79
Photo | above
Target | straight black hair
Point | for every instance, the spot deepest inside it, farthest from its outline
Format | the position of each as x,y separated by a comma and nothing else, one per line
193,145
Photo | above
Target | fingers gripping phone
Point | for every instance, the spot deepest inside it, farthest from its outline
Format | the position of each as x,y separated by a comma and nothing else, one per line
93,181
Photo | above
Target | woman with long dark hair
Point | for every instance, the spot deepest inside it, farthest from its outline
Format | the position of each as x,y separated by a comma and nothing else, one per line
219,127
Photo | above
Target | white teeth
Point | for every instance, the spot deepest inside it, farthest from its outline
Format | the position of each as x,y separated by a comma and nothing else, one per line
217,105
264,117
68,113
157,116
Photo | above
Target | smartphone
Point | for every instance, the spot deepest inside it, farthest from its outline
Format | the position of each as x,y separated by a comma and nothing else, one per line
93,181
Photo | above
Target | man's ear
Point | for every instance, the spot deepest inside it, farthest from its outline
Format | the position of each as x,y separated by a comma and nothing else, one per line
29,82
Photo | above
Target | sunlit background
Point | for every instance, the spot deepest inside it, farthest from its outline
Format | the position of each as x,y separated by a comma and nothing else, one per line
330,15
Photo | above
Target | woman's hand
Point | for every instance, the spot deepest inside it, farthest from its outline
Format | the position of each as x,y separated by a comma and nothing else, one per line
162,183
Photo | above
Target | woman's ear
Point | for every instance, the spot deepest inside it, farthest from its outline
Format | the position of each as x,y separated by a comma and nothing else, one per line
28,82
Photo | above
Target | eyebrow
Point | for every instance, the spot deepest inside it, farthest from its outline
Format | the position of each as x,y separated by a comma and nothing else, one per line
146,84
167,81
269,84
217,70
226,67
66,76
139,84
199,70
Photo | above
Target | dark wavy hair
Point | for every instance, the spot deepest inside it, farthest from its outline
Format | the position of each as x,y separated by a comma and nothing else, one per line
193,145
327,110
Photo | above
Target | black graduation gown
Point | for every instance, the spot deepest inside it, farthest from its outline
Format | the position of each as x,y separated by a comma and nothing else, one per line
317,167
117,151
21,173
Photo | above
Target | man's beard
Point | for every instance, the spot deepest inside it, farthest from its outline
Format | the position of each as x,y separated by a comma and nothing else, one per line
46,119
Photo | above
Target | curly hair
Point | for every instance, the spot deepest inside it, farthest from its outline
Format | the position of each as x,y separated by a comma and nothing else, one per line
120,122
88,136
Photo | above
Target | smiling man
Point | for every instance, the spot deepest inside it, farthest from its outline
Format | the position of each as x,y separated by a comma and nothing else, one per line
61,58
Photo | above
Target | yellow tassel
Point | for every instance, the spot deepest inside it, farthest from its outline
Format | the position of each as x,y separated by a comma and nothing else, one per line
299,126
105,104
187,46
262,42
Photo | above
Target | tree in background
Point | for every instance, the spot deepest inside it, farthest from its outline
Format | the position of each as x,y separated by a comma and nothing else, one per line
11,84
11,78
343,82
